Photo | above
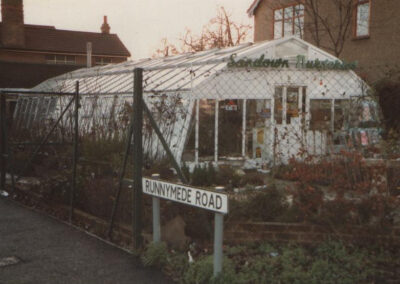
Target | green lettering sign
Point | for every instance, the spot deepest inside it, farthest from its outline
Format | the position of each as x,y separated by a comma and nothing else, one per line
301,63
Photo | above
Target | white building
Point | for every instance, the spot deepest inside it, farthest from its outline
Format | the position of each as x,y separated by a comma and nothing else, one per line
261,103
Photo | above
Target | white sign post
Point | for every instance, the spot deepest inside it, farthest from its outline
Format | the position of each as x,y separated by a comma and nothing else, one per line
209,200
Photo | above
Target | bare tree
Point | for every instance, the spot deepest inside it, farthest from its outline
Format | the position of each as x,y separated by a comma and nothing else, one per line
330,26
327,22
220,31
166,49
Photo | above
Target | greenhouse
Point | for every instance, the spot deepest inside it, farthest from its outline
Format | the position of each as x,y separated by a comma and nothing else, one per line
251,105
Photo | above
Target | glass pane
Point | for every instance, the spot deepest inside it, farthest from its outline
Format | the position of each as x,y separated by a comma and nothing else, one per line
258,120
363,19
207,129
278,14
341,111
288,12
292,102
320,114
60,58
288,27
277,29
278,108
299,27
299,10
230,124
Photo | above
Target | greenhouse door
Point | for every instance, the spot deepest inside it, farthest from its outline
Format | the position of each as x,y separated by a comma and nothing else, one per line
289,109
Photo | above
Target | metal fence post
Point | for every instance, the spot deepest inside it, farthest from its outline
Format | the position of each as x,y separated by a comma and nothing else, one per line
75,153
156,215
2,142
218,239
137,157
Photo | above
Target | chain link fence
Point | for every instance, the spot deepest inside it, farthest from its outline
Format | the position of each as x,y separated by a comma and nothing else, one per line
204,124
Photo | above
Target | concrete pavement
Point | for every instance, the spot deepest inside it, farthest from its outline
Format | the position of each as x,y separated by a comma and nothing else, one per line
54,253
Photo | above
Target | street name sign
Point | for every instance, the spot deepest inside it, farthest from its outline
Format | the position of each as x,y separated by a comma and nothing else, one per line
210,200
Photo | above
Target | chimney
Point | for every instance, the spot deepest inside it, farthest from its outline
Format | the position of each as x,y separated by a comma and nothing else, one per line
12,28
105,28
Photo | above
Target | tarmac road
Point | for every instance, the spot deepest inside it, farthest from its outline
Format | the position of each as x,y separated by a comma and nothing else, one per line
54,253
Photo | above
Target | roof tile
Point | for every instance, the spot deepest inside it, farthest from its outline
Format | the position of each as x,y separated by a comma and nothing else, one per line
47,38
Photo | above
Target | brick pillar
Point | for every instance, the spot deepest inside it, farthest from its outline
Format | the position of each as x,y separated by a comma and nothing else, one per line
12,13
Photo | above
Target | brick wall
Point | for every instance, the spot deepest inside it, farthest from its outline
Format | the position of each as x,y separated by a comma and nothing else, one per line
240,233
375,54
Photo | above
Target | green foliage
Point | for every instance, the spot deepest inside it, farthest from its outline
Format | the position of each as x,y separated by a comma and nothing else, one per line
176,266
211,174
267,205
253,178
204,176
201,272
155,255
336,263
227,177
330,262
185,170
199,176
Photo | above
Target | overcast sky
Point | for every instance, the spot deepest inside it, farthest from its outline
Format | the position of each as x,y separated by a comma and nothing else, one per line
141,24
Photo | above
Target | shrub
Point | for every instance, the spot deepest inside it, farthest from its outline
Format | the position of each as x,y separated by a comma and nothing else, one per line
226,176
266,205
177,265
252,179
336,263
155,255
199,176
330,262
201,272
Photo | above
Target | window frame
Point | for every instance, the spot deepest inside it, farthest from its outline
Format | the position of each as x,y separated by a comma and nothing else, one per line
357,3
100,60
293,18
52,59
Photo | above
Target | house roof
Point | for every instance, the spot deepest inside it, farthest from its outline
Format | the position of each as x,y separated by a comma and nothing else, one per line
50,39
253,7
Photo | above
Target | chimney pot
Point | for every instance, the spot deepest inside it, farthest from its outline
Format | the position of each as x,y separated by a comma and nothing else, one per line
105,27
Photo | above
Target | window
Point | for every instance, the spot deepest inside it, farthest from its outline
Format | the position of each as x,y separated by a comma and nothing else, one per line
362,18
289,104
292,104
289,21
60,59
100,61
320,114
329,114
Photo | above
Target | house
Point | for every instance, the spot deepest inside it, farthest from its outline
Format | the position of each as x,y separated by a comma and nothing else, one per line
252,104
366,31
30,54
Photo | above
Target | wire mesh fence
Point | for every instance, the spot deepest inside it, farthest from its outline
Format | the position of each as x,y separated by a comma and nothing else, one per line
205,124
